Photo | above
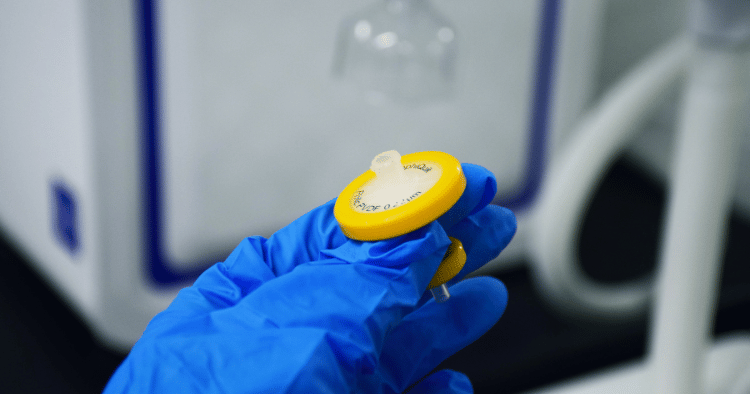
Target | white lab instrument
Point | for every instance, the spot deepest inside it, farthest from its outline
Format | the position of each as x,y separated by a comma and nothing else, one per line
714,117
603,133
142,140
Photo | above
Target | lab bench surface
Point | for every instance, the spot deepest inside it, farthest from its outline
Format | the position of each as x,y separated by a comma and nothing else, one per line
46,348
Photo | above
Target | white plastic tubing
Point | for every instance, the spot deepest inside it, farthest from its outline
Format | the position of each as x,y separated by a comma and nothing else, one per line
713,120
574,175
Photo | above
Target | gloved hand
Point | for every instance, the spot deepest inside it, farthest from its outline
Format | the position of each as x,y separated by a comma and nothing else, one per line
309,310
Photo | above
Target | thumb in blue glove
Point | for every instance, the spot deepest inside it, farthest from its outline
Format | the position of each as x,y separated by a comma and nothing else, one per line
309,310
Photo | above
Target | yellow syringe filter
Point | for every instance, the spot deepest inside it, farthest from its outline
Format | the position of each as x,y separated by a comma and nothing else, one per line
454,260
399,194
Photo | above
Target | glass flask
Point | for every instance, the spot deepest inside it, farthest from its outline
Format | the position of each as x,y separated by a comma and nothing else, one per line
402,50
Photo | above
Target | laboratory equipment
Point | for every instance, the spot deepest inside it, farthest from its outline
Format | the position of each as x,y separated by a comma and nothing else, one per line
401,194
403,50
136,135
158,122
682,357
602,134
713,120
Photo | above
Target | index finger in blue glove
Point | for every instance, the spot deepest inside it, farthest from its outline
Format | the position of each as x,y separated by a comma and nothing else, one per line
303,239
225,284
481,187
484,235
484,230
257,259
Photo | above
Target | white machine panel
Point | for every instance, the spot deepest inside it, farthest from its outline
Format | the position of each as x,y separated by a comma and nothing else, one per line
140,141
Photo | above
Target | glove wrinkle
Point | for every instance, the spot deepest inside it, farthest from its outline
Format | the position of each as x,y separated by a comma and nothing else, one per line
361,307
394,252
303,239
244,269
221,299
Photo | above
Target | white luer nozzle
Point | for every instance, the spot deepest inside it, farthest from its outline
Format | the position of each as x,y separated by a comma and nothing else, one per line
391,184
387,166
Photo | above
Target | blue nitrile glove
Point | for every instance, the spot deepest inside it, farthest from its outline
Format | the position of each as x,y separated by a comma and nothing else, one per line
309,310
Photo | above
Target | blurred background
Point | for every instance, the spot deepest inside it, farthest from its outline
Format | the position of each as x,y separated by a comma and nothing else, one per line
140,141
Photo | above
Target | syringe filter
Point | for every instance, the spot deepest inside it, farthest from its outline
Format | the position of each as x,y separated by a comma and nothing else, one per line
401,194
